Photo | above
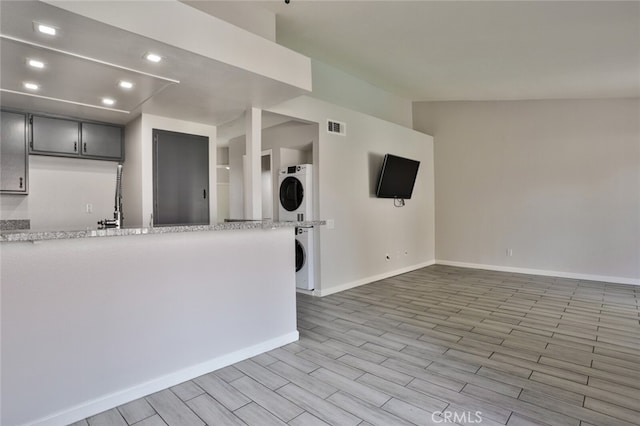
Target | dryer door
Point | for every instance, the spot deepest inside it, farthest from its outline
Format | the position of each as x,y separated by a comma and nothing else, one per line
291,193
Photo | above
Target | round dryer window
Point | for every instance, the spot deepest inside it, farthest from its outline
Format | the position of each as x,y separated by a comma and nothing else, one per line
291,193
300,256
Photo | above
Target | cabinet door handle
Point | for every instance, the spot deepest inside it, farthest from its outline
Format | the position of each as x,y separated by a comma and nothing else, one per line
84,147
20,183
75,147
204,193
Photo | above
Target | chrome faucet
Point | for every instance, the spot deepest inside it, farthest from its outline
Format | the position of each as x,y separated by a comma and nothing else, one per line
117,220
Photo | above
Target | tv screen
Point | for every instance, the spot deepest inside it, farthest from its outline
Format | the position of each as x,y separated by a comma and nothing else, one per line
397,177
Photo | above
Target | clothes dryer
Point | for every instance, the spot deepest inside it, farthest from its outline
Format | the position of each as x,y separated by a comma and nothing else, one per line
295,193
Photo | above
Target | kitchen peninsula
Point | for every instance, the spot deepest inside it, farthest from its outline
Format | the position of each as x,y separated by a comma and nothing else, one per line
93,319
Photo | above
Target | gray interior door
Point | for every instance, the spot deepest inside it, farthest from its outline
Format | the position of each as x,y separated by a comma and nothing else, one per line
180,179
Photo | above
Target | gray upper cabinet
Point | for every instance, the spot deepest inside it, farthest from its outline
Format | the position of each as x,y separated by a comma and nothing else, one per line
54,136
72,138
13,153
101,140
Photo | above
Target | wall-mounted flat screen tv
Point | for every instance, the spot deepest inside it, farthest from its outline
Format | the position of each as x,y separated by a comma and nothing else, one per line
397,177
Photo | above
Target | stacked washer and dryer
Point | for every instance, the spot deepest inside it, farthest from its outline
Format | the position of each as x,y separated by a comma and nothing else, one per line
296,204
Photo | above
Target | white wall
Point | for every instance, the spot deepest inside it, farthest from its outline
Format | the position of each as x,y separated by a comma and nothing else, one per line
366,228
556,181
260,21
59,190
338,87
89,324
139,169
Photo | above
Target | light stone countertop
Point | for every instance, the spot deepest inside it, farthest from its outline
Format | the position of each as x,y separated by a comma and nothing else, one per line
23,235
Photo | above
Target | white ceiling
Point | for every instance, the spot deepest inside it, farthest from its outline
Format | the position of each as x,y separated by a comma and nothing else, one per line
472,50
421,50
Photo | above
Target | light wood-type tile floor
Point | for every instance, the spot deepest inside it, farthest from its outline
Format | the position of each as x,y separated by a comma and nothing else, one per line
434,346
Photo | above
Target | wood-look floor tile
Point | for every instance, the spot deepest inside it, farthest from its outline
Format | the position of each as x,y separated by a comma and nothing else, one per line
223,392
320,408
154,420
611,410
371,414
411,396
363,392
410,413
263,359
519,348
390,353
229,374
304,380
376,369
261,374
136,410
615,388
517,420
172,410
269,400
107,418
254,415
293,360
187,390
306,419
463,401
356,351
331,364
542,414
552,404
212,412
420,373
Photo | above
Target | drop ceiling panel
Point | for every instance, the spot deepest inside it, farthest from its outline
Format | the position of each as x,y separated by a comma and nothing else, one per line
209,91
73,79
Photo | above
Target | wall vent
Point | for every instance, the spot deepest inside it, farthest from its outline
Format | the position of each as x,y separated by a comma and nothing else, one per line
336,127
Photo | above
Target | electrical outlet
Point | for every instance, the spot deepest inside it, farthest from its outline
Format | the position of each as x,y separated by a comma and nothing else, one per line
509,252
88,208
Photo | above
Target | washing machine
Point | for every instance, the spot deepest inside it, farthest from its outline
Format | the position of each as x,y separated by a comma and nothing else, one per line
294,185
304,258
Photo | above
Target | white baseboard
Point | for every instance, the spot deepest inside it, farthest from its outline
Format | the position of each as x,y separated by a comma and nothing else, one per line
107,402
559,274
367,280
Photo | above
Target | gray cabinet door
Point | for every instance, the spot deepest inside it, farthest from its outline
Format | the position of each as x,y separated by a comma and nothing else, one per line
101,140
13,153
54,135
180,179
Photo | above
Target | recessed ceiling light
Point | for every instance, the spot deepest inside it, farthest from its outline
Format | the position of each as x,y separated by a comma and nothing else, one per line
108,101
45,29
31,86
125,84
35,63
152,57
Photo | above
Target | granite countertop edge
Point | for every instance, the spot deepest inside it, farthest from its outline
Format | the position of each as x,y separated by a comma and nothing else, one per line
22,235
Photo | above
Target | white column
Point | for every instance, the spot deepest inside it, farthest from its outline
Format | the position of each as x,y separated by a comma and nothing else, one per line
252,166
